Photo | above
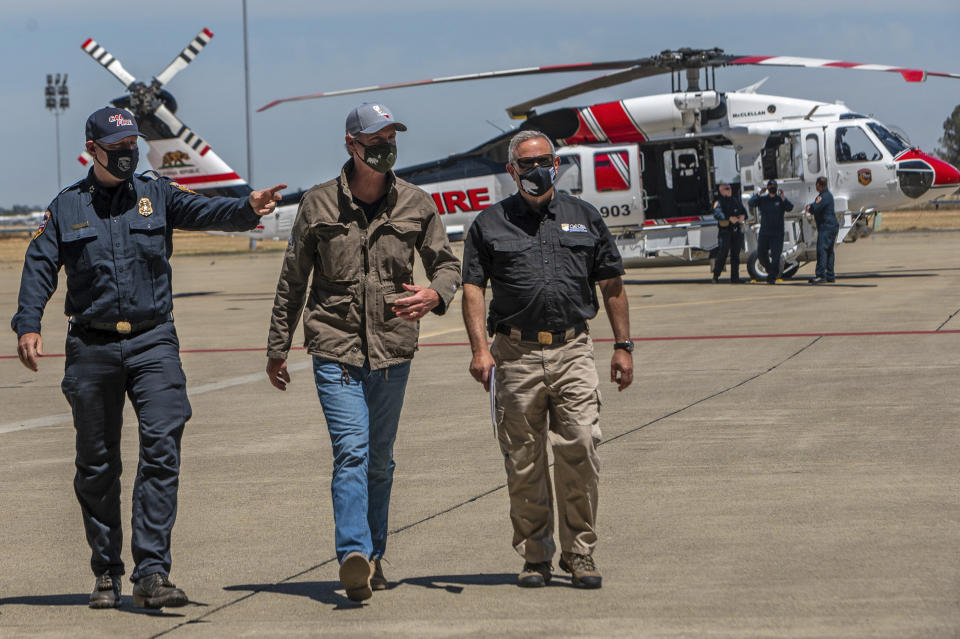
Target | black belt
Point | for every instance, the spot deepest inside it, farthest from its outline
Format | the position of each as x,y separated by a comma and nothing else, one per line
544,338
121,327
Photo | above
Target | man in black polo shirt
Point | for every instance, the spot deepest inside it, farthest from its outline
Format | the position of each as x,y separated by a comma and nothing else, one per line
543,253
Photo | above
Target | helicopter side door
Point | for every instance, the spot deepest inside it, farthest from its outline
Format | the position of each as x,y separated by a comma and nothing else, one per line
608,177
862,172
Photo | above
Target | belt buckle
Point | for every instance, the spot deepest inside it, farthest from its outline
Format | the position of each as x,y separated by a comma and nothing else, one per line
544,338
123,328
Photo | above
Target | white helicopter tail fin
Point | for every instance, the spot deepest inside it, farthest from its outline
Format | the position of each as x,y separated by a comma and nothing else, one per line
196,167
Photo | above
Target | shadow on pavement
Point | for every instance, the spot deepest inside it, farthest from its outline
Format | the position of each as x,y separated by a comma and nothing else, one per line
322,591
82,600
455,583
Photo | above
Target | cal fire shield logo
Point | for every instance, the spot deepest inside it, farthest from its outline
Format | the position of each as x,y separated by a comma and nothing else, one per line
144,207
865,176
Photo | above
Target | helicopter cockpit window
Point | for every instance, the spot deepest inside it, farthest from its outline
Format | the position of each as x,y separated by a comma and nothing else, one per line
782,156
569,179
813,154
853,145
612,171
889,139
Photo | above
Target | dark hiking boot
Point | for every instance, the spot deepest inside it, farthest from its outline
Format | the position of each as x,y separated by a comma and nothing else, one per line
106,592
378,581
535,575
355,573
156,591
583,569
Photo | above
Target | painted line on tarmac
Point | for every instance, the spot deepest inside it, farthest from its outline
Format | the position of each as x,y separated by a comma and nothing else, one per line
192,391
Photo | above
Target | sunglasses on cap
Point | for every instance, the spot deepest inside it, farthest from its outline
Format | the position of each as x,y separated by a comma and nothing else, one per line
545,160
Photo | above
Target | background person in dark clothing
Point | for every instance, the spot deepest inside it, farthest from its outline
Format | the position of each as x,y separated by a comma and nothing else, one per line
112,233
772,205
827,229
730,215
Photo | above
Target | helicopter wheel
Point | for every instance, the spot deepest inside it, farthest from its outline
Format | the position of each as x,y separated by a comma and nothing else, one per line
757,271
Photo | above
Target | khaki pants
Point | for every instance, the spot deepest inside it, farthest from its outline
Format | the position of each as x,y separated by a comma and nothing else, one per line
549,392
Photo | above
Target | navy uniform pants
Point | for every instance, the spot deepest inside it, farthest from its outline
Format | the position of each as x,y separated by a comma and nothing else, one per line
730,241
826,240
100,369
769,251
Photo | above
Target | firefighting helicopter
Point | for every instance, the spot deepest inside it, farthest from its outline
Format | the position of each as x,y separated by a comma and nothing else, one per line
649,164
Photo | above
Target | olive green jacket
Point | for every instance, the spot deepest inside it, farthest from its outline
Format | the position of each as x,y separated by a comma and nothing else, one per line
357,273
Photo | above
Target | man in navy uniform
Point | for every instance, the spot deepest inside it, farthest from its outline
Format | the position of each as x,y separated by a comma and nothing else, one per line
827,228
730,214
112,232
772,205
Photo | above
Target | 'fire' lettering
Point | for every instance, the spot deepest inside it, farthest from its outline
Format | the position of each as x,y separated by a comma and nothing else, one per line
438,202
478,199
455,200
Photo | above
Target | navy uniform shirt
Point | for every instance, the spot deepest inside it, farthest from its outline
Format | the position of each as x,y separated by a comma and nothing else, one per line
727,207
542,266
822,209
772,208
115,246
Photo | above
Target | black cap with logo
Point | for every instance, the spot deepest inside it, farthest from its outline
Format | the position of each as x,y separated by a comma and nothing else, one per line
111,124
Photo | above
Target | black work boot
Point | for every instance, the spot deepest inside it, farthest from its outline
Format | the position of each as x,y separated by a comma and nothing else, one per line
583,569
535,574
156,591
106,592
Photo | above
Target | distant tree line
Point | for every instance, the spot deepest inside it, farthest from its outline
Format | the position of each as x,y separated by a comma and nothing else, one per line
19,209
950,142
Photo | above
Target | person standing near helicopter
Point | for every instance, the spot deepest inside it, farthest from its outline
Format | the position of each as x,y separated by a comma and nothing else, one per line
730,214
772,205
827,228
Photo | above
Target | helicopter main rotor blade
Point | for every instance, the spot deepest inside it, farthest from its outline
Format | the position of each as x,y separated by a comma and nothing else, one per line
185,57
561,68
522,110
910,75
108,62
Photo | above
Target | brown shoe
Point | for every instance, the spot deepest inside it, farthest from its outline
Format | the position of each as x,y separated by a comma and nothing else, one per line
355,573
156,591
377,581
106,592
583,568
535,574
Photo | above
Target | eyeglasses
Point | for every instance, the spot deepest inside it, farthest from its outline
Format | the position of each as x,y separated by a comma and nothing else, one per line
545,160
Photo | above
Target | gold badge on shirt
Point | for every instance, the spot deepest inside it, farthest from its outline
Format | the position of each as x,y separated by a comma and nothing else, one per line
144,207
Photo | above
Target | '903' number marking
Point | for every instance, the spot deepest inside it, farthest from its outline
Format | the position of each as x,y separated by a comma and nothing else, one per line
615,210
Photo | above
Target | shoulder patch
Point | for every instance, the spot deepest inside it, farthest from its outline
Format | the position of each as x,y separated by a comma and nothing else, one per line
817,201
43,224
177,185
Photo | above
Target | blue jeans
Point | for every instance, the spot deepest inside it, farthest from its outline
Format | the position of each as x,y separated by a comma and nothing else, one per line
362,409
826,237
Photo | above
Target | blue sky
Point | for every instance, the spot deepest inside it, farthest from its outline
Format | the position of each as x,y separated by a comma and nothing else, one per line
306,47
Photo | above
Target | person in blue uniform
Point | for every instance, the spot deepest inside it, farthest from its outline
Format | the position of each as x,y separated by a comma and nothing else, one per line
827,229
112,233
730,215
772,205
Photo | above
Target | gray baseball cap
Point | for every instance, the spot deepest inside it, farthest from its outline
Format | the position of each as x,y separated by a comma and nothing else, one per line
370,117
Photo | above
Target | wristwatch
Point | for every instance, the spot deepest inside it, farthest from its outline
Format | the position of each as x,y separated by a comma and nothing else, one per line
627,345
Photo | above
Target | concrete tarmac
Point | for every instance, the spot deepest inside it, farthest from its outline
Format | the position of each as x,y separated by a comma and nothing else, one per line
784,465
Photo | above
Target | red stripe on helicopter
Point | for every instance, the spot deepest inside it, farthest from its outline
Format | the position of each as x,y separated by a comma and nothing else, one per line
583,134
204,151
198,179
82,160
84,45
209,33
616,122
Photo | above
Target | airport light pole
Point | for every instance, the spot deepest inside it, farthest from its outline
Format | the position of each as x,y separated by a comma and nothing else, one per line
57,97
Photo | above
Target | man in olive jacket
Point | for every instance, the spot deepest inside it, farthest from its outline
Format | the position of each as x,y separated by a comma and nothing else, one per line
353,245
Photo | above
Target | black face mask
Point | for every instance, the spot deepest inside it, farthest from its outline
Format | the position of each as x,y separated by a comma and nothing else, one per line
380,157
538,180
121,163
772,190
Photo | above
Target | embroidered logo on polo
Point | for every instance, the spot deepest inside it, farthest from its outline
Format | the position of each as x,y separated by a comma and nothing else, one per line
144,207
573,228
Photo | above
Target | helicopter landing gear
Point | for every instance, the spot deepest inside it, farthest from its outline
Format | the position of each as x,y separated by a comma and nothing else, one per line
757,271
